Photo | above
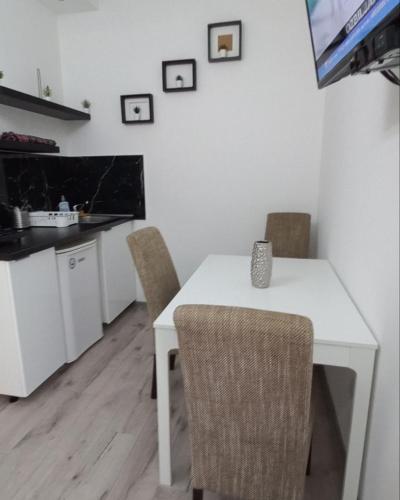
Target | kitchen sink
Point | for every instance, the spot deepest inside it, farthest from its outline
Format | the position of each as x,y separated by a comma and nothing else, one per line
94,219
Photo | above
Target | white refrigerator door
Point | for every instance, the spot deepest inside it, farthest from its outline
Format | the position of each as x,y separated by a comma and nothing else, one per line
80,296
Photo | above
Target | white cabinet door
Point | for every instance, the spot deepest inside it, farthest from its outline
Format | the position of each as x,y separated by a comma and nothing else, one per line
32,332
117,272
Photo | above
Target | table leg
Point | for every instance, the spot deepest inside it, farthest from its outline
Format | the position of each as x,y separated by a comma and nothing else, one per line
163,408
362,362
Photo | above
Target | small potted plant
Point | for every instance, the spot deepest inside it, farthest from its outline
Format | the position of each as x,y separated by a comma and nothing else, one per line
136,113
223,50
47,93
179,81
86,105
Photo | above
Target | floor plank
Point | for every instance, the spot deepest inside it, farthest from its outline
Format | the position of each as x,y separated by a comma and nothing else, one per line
90,432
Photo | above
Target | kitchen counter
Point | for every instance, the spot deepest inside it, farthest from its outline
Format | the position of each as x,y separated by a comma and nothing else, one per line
36,239
34,293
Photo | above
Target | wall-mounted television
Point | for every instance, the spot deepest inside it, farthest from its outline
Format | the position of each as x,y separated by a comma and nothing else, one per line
351,36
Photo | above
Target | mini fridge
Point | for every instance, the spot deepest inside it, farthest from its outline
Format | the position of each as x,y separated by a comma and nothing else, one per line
80,297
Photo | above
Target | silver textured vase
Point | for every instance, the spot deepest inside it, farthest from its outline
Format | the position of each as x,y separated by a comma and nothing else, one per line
261,264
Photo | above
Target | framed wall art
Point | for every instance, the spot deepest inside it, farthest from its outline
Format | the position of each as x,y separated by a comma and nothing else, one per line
137,109
225,41
179,76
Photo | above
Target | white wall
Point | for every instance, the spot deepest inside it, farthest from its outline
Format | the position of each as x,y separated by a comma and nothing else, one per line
216,160
359,234
29,40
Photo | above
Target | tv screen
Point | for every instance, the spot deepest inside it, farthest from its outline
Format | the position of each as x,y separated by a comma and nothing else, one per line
338,27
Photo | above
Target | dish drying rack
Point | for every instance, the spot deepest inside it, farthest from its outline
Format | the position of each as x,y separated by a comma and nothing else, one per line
53,219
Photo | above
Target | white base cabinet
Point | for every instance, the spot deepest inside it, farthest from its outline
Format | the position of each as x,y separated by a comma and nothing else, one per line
117,271
32,342
32,334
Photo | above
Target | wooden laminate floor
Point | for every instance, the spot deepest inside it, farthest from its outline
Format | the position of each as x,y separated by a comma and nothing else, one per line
90,432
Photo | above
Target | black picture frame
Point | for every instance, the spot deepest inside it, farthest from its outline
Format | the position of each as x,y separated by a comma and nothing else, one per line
211,28
179,62
127,118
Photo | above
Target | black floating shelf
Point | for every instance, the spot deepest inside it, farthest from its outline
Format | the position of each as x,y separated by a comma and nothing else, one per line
28,147
16,99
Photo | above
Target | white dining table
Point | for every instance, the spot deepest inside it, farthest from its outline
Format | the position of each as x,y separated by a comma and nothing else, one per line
300,286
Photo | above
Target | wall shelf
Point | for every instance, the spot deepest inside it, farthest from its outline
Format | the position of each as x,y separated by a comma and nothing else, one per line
27,147
16,99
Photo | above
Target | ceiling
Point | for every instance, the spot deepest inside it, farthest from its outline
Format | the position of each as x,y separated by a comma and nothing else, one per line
70,6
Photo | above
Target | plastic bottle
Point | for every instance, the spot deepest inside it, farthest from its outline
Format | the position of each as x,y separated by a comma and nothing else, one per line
63,206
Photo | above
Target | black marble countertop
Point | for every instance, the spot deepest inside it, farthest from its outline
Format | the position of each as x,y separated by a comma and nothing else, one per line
36,239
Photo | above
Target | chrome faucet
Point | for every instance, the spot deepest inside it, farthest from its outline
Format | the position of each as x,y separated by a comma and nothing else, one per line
80,206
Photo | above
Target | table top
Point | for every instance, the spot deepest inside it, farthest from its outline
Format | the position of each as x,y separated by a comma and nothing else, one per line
308,287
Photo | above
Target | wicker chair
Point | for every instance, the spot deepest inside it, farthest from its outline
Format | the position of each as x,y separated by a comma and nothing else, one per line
157,274
289,233
247,380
